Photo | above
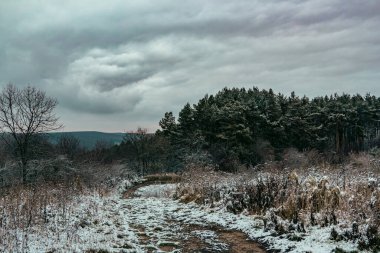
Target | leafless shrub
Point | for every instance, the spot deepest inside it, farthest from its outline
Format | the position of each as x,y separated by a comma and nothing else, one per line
292,158
360,160
299,198
47,209
23,207
163,178
314,158
38,171
197,182
265,150
94,174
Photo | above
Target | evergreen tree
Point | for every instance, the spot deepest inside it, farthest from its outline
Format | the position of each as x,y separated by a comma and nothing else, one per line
235,122
168,124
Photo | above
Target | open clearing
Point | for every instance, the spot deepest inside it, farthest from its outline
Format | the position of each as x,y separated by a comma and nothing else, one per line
147,218
162,225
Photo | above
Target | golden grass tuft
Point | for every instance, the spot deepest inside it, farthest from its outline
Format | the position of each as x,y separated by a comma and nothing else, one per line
163,178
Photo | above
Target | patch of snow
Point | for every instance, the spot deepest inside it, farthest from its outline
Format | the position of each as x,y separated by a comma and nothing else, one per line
148,221
158,191
211,238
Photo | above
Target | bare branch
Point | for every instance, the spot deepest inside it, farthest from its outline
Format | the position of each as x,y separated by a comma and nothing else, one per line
25,113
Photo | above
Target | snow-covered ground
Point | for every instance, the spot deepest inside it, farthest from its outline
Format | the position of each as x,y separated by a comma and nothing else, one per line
152,221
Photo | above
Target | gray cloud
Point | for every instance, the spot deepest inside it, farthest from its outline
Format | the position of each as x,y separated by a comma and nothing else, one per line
121,64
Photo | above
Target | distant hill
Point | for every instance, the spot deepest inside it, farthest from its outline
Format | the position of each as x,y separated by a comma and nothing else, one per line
88,139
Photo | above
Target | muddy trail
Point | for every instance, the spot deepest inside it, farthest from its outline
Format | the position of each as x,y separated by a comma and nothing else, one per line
163,227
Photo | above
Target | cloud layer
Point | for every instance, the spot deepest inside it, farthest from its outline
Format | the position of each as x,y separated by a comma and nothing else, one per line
116,65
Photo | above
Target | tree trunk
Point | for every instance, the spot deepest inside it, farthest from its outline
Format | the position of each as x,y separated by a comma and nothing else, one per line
24,162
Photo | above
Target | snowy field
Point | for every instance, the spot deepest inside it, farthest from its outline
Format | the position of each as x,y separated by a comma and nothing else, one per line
152,221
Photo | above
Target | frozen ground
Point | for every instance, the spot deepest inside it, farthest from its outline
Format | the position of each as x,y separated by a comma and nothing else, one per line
151,221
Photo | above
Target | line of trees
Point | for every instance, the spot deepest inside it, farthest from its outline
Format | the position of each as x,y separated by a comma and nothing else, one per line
244,125
232,128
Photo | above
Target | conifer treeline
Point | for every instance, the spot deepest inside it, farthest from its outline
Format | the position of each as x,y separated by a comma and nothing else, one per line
237,124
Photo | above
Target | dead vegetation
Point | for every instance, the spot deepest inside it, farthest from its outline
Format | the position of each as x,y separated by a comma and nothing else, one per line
235,241
289,200
163,178
27,209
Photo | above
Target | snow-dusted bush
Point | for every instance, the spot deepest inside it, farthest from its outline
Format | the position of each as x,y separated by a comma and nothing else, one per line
290,201
10,174
52,215
25,206
292,158
43,170
59,169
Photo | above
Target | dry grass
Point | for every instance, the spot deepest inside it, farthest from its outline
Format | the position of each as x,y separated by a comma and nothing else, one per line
163,178
324,195
197,183
25,208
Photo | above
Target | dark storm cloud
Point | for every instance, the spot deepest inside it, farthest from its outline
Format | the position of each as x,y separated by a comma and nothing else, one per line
130,61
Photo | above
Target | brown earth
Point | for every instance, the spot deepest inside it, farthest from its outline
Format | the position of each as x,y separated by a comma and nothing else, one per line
188,242
237,241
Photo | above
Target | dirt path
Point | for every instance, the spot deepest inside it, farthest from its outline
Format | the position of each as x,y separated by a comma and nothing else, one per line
226,240
161,226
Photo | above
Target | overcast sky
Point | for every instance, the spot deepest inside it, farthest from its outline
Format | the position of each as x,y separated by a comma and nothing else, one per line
118,64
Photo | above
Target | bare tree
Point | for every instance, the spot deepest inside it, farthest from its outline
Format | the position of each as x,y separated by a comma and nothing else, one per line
25,113
140,143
